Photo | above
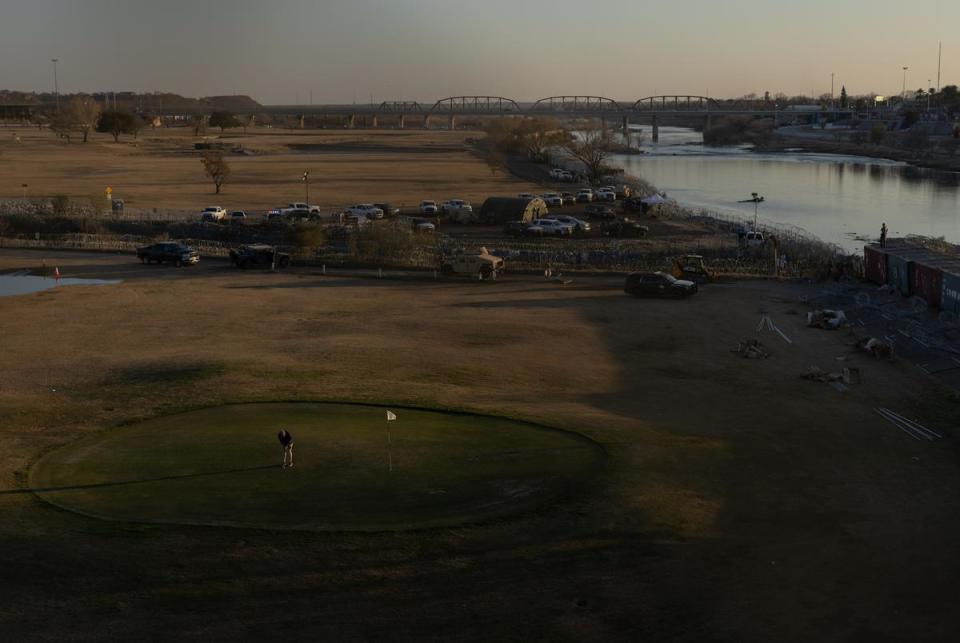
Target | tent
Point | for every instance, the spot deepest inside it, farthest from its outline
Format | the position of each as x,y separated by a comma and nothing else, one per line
654,199
502,209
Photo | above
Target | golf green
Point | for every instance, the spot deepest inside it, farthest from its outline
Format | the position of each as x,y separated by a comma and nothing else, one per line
221,466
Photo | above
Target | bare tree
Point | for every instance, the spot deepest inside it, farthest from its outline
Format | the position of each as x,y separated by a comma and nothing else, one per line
592,148
62,125
83,112
216,168
199,123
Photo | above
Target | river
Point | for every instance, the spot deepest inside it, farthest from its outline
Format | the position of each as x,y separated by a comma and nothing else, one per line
840,199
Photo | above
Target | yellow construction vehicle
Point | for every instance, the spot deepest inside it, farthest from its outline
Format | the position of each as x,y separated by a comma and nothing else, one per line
692,268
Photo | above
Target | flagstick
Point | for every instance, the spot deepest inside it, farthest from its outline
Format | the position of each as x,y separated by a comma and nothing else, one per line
389,448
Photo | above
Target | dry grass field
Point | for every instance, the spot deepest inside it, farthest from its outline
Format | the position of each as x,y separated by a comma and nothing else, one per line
162,170
738,502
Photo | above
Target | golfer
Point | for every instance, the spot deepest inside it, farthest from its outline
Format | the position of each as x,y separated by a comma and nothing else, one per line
286,441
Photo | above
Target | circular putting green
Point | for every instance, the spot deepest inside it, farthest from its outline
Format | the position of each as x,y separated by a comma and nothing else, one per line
221,466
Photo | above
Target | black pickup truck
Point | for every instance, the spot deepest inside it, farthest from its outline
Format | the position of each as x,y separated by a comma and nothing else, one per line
256,255
168,252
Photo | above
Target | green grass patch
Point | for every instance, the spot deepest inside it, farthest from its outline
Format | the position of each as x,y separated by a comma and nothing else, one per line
221,466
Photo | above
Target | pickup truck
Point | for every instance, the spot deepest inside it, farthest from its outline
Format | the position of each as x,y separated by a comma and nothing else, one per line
168,252
291,208
213,213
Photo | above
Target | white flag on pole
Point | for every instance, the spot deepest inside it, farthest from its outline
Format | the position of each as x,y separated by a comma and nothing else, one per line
391,416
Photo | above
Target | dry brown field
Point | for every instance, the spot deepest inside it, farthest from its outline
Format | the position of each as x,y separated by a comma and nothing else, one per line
738,502
162,170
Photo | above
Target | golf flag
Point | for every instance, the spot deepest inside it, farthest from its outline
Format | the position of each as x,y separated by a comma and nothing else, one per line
391,416
56,273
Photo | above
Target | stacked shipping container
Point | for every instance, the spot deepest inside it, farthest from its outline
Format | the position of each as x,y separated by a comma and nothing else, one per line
914,270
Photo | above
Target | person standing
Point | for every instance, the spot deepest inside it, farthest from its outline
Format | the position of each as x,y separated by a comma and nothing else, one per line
286,441
883,236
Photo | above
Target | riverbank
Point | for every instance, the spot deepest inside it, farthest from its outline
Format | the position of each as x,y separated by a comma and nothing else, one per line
924,159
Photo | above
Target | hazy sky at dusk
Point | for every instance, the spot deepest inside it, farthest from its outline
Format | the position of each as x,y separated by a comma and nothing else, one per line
523,49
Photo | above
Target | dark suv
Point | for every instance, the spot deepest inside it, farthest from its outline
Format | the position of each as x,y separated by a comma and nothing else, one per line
256,255
169,252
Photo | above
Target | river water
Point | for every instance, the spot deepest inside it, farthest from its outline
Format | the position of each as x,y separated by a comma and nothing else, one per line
840,199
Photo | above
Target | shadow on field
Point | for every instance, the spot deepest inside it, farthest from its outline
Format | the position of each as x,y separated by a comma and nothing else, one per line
98,485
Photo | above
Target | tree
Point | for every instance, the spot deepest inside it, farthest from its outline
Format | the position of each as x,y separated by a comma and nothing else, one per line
844,101
116,122
216,168
199,123
62,125
592,148
223,120
84,112
878,134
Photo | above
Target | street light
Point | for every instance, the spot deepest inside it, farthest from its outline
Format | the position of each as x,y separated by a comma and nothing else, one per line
903,92
756,200
56,83
306,186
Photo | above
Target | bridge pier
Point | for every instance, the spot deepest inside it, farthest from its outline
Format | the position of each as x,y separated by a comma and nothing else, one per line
453,122
351,121
655,129
301,121
709,123
626,128
374,122
603,124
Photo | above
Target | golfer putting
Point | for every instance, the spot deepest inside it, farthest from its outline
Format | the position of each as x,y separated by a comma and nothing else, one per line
286,441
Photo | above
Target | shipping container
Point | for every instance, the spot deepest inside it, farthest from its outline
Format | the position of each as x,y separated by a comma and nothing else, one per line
950,291
925,281
898,273
875,264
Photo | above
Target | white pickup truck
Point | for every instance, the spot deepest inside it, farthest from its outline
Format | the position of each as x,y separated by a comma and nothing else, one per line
294,207
457,210
213,213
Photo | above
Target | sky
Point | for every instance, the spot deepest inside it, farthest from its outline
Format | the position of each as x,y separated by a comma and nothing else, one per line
341,51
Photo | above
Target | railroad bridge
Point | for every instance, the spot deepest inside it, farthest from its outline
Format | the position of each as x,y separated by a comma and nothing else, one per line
650,109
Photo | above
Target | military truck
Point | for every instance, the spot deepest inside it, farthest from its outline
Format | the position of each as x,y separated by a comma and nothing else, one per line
258,255
481,265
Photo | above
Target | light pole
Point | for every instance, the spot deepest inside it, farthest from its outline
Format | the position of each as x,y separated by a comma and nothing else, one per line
831,91
903,92
56,83
756,200
929,91
306,187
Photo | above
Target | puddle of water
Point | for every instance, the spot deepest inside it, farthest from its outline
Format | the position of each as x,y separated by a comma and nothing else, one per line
21,283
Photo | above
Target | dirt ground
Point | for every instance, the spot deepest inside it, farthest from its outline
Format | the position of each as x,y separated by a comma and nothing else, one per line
739,503
162,170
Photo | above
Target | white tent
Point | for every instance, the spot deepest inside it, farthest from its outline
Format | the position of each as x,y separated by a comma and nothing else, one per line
655,199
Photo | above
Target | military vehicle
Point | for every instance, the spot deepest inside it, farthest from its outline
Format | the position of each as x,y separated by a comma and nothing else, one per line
258,255
482,265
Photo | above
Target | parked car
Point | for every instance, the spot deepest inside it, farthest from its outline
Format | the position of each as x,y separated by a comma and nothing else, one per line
526,195
605,195
367,210
569,198
388,209
553,227
567,176
599,211
259,254
534,230
355,220
624,229
585,196
753,238
579,225
213,213
552,199
168,252
238,217
457,210
515,228
422,225
658,284
428,207
481,263
291,207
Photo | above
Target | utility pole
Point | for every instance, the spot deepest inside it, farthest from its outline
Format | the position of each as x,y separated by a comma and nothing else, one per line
832,106
56,83
306,186
939,59
903,92
929,87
